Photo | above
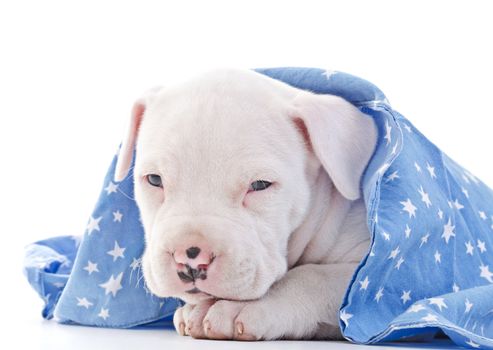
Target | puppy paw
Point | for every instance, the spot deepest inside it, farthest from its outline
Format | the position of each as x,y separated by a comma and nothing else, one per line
188,320
236,320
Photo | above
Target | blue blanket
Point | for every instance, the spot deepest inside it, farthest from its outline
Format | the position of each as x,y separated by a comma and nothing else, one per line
429,267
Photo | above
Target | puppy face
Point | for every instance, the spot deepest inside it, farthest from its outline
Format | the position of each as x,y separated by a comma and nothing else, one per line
223,173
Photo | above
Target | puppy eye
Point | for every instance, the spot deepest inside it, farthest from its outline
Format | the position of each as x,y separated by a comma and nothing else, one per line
259,185
154,180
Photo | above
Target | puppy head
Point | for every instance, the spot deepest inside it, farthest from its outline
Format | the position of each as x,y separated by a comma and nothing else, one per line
224,171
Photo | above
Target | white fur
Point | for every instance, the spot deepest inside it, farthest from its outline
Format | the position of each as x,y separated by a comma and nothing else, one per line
283,256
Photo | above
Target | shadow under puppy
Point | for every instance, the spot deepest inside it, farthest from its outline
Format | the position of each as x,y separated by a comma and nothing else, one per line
249,193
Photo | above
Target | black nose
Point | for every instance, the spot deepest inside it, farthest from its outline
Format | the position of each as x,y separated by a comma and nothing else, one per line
192,252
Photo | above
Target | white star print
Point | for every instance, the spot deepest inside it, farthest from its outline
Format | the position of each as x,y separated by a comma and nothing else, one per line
485,273
364,283
406,296
418,168
424,239
457,205
469,305
439,302
329,73
438,257
430,318
111,188
386,236
466,193
409,207
416,308
424,197
481,246
440,214
388,135
117,252
392,176
469,248
482,215
113,285
394,253
394,149
83,302
431,170
379,294
345,317
399,263
407,127
455,288
448,231
472,344
93,225
91,267
117,216
104,313
407,231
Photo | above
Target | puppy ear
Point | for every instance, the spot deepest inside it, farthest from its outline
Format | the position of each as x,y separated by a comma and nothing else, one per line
126,152
342,138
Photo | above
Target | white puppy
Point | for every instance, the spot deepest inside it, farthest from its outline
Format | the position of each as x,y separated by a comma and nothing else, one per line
249,193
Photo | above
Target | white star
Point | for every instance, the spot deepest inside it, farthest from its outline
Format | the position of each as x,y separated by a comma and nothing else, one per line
117,216
481,246
117,252
485,273
83,302
457,205
407,127
135,264
364,283
418,168
394,253
409,207
388,135
482,215
111,188
386,236
91,267
469,305
406,296
379,294
407,231
448,231
424,197
472,344
399,263
416,308
440,213
104,313
392,176
455,288
424,239
394,149
93,224
329,73
438,257
113,285
469,248
431,170
430,318
439,302
345,317
466,193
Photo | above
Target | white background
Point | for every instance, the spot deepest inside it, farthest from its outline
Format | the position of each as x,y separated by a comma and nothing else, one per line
70,71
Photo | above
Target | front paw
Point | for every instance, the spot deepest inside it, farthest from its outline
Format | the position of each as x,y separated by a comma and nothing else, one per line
237,320
188,319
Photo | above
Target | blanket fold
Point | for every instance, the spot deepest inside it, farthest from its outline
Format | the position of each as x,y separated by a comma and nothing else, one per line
429,266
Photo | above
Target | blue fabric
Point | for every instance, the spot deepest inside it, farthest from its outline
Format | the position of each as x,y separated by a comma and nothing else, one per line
429,266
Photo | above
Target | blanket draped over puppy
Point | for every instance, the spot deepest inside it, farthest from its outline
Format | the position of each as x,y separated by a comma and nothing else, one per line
429,266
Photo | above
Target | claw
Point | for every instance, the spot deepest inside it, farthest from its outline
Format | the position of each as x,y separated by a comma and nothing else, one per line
239,328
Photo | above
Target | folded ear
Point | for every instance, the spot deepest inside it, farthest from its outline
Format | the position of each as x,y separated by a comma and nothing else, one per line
126,152
342,138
